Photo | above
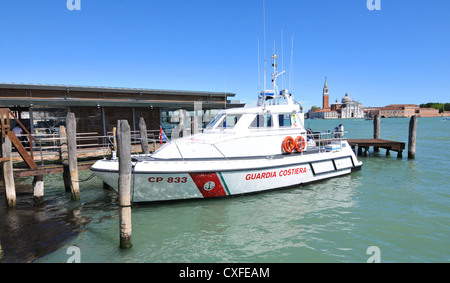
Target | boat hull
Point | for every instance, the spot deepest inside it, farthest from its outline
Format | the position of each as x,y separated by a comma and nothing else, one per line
226,178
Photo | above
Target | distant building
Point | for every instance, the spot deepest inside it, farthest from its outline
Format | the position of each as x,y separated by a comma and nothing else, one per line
401,111
346,109
324,114
427,112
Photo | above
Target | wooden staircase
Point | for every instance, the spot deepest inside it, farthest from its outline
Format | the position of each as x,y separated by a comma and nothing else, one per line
5,115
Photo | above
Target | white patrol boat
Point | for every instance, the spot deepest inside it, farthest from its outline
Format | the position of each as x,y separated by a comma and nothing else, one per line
243,150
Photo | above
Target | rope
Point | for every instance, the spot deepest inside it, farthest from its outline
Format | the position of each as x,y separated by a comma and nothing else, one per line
87,179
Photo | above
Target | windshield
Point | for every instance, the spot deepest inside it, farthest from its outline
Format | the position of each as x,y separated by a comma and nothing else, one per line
214,122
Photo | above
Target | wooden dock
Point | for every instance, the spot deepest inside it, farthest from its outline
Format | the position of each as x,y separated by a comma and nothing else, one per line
49,169
377,144
51,163
66,153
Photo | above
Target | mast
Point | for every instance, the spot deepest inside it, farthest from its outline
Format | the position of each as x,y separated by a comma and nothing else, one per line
264,17
272,94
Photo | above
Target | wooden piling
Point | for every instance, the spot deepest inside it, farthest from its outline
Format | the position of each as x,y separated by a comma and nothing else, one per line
195,118
180,130
124,150
64,156
366,151
412,137
376,130
143,134
359,150
114,155
183,123
7,170
72,155
38,188
194,124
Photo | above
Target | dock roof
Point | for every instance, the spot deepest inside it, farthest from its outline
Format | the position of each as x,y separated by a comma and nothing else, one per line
74,95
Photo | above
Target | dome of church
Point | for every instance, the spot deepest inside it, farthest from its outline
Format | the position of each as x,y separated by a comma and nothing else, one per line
346,99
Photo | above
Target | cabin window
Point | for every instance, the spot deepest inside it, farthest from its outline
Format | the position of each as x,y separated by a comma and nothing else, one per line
229,121
262,121
284,120
288,120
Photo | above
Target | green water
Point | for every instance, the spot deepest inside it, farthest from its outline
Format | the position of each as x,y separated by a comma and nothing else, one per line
400,206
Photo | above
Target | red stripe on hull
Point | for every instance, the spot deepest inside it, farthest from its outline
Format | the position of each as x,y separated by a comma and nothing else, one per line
208,184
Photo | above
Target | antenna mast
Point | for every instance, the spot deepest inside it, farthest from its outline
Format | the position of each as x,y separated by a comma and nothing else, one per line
259,79
292,65
282,60
264,17
274,75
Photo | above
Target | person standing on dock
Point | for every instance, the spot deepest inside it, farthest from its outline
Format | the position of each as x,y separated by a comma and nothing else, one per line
18,132
339,131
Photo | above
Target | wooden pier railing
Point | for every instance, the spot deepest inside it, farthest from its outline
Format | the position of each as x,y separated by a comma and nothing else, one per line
44,154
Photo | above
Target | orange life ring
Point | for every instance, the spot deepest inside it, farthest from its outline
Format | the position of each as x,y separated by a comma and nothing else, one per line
300,144
288,144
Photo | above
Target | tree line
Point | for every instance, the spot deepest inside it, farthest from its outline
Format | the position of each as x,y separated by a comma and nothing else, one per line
436,105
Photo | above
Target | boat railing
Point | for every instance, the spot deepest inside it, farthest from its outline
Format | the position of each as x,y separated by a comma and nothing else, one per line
326,141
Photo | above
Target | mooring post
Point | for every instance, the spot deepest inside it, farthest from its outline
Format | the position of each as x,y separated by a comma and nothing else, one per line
114,151
38,188
143,134
412,137
194,124
180,130
183,121
196,117
1,252
71,124
7,168
64,156
123,152
366,151
376,130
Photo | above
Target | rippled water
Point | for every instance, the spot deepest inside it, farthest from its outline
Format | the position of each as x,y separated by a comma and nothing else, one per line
398,205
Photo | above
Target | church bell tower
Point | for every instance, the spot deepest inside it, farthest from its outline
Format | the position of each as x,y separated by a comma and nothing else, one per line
325,101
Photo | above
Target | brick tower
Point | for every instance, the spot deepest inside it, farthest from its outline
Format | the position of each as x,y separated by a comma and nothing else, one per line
325,103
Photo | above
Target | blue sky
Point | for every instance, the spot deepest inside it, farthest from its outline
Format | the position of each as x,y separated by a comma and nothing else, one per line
399,54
